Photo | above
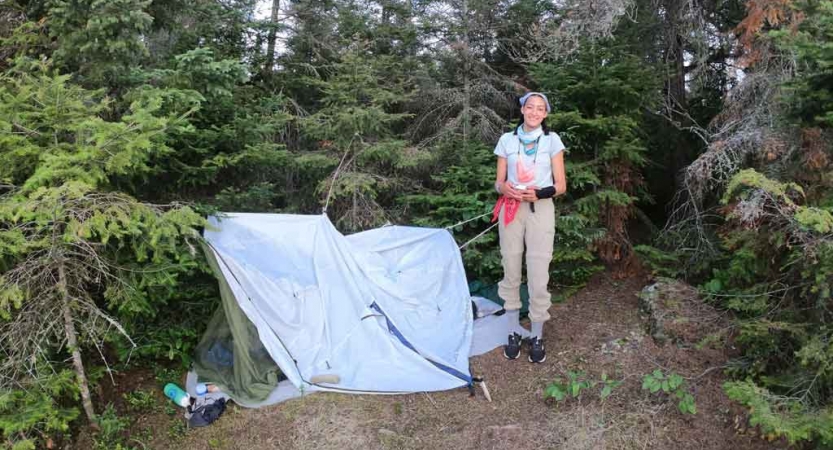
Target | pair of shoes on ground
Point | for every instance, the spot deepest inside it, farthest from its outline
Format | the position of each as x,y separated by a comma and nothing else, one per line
537,353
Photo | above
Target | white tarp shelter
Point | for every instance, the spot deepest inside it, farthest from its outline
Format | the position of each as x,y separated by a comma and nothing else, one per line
381,311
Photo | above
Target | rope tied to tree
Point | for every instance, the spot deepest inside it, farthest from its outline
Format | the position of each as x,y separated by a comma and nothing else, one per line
463,222
478,236
482,233
467,221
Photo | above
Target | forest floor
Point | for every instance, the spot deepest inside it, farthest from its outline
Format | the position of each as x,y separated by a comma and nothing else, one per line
597,330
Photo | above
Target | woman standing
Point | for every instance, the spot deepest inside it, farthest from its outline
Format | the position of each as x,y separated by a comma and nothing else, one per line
530,171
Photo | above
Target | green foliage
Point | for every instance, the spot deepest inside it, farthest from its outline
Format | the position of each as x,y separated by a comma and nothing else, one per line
163,374
814,219
177,428
78,254
175,342
199,70
463,190
810,95
225,143
749,180
36,411
259,197
100,39
782,416
355,102
662,263
111,427
111,109
608,385
140,401
573,260
111,431
576,384
670,385
775,273
57,132
592,203
606,146
353,124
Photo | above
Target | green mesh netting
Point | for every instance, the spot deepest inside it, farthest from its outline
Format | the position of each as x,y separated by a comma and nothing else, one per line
481,289
230,353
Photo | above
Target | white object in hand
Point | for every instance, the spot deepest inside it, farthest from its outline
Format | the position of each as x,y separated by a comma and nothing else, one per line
520,187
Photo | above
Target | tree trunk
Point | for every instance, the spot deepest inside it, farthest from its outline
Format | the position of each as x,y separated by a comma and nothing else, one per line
466,69
675,83
386,12
676,78
273,36
72,344
675,61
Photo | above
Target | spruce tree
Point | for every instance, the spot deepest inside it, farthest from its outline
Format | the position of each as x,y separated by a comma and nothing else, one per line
75,252
598,101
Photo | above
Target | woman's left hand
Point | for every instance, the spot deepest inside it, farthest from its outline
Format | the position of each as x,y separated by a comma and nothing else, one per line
529,194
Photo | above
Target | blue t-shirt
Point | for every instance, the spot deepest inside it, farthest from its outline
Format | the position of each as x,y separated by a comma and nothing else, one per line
510,147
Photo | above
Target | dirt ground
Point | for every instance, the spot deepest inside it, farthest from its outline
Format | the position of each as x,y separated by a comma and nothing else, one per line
597,330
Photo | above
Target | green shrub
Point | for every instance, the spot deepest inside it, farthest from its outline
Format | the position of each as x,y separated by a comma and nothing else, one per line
671,385
31,415
782,416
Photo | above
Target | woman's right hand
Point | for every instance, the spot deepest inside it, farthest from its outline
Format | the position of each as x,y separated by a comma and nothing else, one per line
508,190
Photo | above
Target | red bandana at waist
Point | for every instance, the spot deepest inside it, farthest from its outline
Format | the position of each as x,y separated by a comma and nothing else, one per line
511,207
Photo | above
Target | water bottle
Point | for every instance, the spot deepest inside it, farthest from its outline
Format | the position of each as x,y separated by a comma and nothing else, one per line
177,395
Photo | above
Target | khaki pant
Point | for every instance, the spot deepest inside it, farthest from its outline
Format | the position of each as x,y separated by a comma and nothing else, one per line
537,230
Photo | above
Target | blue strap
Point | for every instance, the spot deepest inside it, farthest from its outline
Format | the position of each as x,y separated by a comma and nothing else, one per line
395,331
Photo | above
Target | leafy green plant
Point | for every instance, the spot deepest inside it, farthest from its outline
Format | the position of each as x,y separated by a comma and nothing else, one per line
30,416
608,385
576,384
177,428
174,343
662,263
140,400
780,416
561,389
111,429
164,374
672,385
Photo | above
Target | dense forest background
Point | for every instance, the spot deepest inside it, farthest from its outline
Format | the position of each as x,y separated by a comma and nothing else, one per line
698,136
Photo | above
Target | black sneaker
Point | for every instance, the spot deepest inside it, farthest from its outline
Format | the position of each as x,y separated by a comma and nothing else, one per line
537,353
513,348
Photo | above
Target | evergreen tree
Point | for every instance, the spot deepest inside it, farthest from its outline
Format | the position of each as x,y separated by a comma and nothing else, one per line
73,251
775,262
99,40
353,126
385,110
598,101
